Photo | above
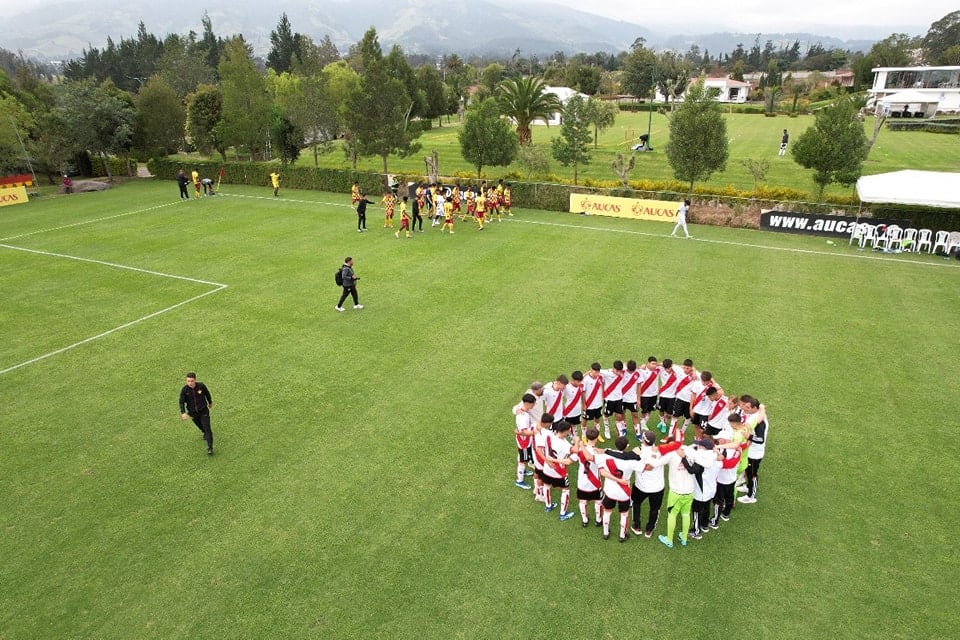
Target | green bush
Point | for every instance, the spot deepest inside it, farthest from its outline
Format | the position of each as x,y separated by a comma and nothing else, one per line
119,167
933,126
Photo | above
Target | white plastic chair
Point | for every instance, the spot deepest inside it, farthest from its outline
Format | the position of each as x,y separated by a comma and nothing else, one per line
856,232
953,242
924,238
869,235
943,237
889,240
909,240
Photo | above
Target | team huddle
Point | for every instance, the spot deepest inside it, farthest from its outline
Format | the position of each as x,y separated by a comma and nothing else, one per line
560,424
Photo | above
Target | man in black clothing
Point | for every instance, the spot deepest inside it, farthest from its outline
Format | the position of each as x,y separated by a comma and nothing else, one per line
415,210
195,403
349,279
183,181
362,212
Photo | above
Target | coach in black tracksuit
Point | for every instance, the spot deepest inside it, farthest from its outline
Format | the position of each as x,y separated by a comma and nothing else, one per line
195,403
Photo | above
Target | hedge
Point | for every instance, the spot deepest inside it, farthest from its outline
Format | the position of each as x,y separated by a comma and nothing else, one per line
119,167
555,196
920,125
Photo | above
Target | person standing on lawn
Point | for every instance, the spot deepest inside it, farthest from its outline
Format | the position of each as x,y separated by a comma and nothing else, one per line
195,403
349,284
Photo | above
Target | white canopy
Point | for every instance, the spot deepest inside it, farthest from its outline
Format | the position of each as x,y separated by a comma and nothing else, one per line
909,96
925,188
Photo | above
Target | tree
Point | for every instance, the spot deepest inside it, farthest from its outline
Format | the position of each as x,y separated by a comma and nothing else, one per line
160,119
698,136
672,75
638,73
204,111
246,104
486,139
181,67
583,78
13,112
573,144
287,138
284,46
434,99
601,115
96,119
524,100
943,34
834,147
623,169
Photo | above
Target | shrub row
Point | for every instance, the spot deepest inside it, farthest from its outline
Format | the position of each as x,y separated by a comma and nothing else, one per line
932,127
553,195
119,167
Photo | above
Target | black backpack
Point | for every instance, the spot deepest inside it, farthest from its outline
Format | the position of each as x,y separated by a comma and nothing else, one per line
338,277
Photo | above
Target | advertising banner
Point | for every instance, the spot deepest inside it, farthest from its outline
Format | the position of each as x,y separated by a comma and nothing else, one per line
594,205
817,224
13,195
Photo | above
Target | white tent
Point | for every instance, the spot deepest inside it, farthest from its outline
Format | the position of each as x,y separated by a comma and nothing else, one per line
908,99
925,188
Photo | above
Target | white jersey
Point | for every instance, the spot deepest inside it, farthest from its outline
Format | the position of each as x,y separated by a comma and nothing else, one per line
539,443
719,412
611,488
592,392
760,431
572,401
699,402
558,448
648,382
669,379
630,385
553,402
728,474
681,481
612,380
524,422
650,481
685,385
711,468
588,476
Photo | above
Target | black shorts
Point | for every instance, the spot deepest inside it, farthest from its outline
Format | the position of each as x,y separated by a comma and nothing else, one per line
573,419
561,483
614,406
630,406
711,430
648,404
666,405
538,473
700,419
525,454
588,495
681,408
593,414
622,505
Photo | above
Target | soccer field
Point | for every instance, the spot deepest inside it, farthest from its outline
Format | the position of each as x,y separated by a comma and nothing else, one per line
362,485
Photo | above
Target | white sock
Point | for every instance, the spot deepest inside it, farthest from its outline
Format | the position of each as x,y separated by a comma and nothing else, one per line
520,469
598,508
606,523
564,500
583,510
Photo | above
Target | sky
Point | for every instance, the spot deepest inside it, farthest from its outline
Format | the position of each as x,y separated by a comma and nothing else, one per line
874,19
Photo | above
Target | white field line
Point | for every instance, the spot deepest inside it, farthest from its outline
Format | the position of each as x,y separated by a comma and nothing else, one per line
79,224
216,287
860,256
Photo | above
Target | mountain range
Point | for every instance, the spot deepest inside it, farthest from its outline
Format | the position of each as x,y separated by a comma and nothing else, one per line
62,29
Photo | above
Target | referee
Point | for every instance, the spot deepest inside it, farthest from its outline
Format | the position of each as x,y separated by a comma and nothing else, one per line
195,403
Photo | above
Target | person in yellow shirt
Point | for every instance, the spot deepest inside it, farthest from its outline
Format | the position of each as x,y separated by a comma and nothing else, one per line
275,181
480,204
196,182
507,199
355,194
493,204
389,205
404,219
447,217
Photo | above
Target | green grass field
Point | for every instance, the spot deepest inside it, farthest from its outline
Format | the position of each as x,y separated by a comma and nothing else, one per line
363,480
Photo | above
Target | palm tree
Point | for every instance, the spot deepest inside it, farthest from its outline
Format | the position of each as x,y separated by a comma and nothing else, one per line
524,100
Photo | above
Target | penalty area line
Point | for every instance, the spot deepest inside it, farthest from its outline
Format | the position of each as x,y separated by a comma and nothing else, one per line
742,244
85,222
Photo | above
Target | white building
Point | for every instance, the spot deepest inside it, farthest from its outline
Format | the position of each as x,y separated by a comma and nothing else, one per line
728,90
939,84
563,94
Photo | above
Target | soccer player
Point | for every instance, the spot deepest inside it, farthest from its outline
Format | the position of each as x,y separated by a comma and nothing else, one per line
416,207
680,495
553,397
573,401
704,487
649,374
355,194
669,377
681,403
682,219
207,184
404,219
447,216
588,477
196,183
540,433
493,204
629,388
480,207
507,200
536,389
723,501
439,202
275,182
700,405
195,403
455,199
717,421
757,419
648,484
616,487
362,212
613,398
523,432
593,396
389,204
557,459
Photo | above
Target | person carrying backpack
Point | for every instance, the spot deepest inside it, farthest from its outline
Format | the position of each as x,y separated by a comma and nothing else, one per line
347,279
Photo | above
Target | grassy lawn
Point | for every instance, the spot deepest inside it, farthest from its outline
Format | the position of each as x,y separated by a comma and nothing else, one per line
363,480
751,137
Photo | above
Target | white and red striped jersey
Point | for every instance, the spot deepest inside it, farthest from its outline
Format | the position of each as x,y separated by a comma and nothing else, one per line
648,382
572,401
524,422
699,402
669,379
685,385
539,447
719,411
557,448
611,384
592,392
623,468
588,476
553,401
728,471
630,385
